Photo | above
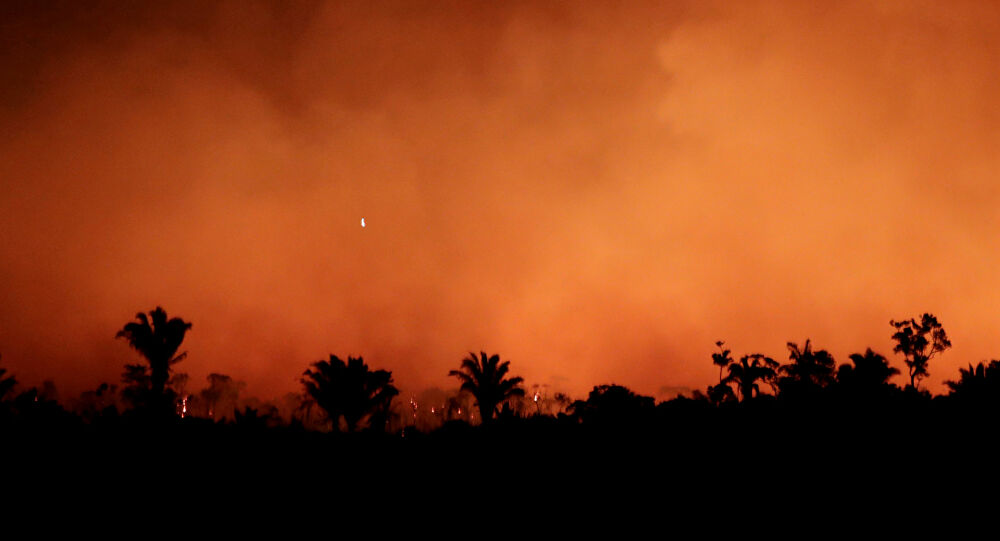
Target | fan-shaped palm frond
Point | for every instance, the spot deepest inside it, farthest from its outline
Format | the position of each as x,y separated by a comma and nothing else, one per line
157,338
748,371
484,378
350,390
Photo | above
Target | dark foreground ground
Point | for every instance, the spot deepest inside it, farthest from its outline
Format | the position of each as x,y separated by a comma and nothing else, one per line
711,459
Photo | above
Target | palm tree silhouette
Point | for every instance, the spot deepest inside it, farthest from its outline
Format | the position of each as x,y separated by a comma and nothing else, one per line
722,358
350,390
869,370
866,379
751,369
808,370
157,339
483,377
977,383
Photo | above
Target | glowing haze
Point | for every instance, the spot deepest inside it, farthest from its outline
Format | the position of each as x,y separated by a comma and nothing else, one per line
595,192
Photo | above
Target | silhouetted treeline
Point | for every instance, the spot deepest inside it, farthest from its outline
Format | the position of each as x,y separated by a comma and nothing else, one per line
808,397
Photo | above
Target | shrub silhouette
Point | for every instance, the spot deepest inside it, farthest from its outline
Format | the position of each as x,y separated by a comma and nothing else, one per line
7,383
720,394
252,418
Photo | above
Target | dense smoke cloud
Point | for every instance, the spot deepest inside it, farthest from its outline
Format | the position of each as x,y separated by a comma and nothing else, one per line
596,192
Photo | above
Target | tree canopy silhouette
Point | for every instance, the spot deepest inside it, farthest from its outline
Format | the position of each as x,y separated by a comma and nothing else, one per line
919,342
484,378
350,390
613,404
157,338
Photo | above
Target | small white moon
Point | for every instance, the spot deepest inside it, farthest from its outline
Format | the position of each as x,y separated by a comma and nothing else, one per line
362,222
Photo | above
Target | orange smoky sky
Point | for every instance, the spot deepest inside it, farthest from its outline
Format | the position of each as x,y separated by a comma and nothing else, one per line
598,191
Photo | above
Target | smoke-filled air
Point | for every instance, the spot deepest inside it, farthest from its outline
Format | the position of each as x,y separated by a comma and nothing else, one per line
598,191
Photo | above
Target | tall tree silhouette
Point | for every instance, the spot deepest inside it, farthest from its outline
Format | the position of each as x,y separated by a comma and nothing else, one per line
919,342
721,358
809,370
483,377
721,392
748,371
157,338
221,396
350,390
